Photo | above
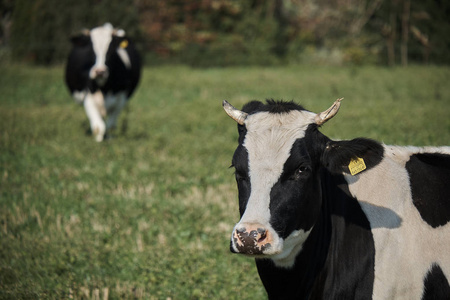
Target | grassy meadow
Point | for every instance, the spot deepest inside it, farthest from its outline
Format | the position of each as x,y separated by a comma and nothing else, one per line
148,214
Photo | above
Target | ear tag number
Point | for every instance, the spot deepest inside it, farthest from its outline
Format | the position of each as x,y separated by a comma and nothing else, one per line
356,166
124,44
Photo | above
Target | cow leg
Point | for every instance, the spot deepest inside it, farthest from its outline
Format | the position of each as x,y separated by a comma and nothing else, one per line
94,107
114,105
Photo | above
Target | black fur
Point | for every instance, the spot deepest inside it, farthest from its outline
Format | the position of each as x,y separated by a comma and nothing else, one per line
338,154
436,284
429,174
272,106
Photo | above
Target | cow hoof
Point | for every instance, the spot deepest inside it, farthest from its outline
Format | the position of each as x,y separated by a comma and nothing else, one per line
98,135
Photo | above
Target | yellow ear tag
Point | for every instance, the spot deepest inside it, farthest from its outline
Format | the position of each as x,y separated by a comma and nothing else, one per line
124,44
356,166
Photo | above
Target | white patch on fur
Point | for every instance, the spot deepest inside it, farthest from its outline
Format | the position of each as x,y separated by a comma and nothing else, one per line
79,96
405,245
101,38
123,54
292,246
269,140
120,32
94,106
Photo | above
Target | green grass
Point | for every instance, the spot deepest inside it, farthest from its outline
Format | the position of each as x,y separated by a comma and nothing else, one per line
148,214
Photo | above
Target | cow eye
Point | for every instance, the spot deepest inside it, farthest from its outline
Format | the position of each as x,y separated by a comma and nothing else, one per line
240,176
300,171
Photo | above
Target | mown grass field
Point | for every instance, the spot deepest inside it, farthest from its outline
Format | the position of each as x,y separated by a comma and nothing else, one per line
148,214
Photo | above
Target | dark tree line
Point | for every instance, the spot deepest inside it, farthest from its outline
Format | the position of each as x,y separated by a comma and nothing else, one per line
231,32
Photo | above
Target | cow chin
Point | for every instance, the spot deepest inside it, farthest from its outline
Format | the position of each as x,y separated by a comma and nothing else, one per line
292,246
101,81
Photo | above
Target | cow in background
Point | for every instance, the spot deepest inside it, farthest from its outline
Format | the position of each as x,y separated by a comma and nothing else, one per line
103,70
349,219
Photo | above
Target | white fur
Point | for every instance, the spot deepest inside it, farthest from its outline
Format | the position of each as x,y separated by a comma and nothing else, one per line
79,96
98,108
101,38
292,246
123,54
405,245
94,106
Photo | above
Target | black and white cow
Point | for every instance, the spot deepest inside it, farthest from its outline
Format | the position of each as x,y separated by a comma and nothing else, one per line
102,72
351,219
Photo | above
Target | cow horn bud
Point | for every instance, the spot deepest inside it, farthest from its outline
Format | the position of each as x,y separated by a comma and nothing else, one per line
235,114
324,116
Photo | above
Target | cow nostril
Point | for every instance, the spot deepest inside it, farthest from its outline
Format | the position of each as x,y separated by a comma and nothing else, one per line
262,235
240,230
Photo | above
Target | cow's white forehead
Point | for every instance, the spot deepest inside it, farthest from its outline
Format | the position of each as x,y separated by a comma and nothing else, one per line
101,38
270,135
268,141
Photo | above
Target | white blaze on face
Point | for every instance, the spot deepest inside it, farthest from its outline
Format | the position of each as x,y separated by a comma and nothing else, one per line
101,38
269,140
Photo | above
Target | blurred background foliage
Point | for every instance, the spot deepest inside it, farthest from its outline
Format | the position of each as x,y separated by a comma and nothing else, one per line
230,32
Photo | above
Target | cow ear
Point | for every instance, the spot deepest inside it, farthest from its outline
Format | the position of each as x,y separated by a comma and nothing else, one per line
119,32
352,156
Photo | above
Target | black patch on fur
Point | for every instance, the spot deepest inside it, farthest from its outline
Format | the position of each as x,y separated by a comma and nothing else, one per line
338,154
252,107
271,106
295,198
240,163
436,285
429,175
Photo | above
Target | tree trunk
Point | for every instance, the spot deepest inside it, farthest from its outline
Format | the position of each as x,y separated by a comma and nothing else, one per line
391,36
405,32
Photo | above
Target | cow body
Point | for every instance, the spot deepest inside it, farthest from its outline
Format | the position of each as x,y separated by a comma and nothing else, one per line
318,232
102,72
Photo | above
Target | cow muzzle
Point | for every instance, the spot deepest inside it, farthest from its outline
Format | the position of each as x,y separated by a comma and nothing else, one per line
251,239
99,74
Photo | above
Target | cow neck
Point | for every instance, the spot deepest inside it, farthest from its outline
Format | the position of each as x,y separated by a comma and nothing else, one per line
307,273
350,240
343,235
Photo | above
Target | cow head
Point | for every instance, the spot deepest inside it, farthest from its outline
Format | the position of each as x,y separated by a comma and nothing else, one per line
277,178
99,44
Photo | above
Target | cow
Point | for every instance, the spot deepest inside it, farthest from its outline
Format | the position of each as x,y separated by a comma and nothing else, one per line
338,219
102,72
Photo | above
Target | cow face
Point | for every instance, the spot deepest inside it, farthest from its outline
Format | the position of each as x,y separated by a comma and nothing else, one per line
98,46
279,193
